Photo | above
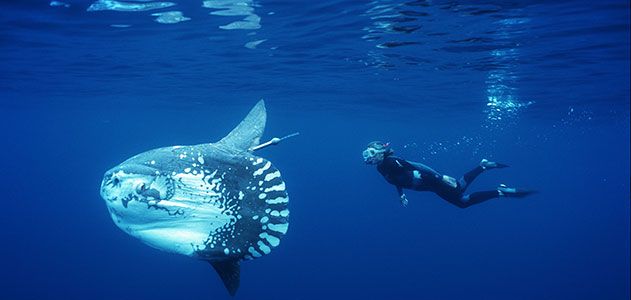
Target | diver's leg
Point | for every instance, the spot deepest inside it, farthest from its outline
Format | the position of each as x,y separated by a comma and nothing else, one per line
468,177
465,201
477,198
455,197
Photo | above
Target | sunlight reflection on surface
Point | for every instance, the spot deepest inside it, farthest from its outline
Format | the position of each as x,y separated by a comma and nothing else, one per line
503,103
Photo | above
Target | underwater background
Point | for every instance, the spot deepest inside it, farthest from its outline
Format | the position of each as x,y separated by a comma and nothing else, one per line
540,85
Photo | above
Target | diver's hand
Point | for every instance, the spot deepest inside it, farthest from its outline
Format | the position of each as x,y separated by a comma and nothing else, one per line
404,200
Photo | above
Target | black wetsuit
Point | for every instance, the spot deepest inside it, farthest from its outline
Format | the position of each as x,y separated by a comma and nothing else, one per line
400,173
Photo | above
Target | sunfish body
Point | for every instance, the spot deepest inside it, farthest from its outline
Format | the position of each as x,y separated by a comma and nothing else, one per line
216,202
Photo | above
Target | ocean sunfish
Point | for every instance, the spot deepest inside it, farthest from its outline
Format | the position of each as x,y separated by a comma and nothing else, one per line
215,202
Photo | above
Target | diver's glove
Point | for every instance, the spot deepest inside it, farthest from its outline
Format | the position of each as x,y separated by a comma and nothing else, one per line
404,200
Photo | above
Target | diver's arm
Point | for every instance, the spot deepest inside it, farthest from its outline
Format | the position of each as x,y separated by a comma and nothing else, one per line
419,167
402,197
427,171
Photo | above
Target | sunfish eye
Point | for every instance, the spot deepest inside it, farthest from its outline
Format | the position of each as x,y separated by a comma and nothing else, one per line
116,181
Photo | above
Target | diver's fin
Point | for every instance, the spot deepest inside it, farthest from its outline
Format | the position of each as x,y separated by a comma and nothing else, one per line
248,133
504,190
229,271
487,164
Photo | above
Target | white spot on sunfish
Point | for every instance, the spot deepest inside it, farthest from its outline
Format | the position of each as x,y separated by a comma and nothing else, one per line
282,228
226,251
272,240
264,219
200,160
262,196
277,200
255,217
271,176
263,169
187,170
254,252
264,247
153,162
275,213
277,188
284,213
258,161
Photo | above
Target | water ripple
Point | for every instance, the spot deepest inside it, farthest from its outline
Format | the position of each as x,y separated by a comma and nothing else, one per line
499,59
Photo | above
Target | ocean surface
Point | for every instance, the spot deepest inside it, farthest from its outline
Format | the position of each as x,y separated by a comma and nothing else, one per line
540,85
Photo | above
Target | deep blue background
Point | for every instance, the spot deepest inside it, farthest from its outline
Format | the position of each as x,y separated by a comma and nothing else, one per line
542,87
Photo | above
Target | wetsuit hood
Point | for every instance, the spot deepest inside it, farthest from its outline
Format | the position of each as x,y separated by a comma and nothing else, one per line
376,152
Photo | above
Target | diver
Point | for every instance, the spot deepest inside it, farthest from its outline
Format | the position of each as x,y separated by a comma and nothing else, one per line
404,174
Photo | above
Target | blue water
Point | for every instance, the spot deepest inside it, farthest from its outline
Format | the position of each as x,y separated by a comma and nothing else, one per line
540,85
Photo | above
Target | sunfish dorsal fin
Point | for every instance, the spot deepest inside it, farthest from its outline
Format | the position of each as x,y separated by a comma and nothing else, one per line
248,133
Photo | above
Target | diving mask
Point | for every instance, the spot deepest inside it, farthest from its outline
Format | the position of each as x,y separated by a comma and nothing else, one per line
373,156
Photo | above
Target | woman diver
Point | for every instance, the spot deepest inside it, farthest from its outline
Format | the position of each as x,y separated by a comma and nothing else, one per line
405,174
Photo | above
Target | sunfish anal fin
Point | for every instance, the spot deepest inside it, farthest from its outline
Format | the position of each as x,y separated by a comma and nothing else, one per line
248,133
229,271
